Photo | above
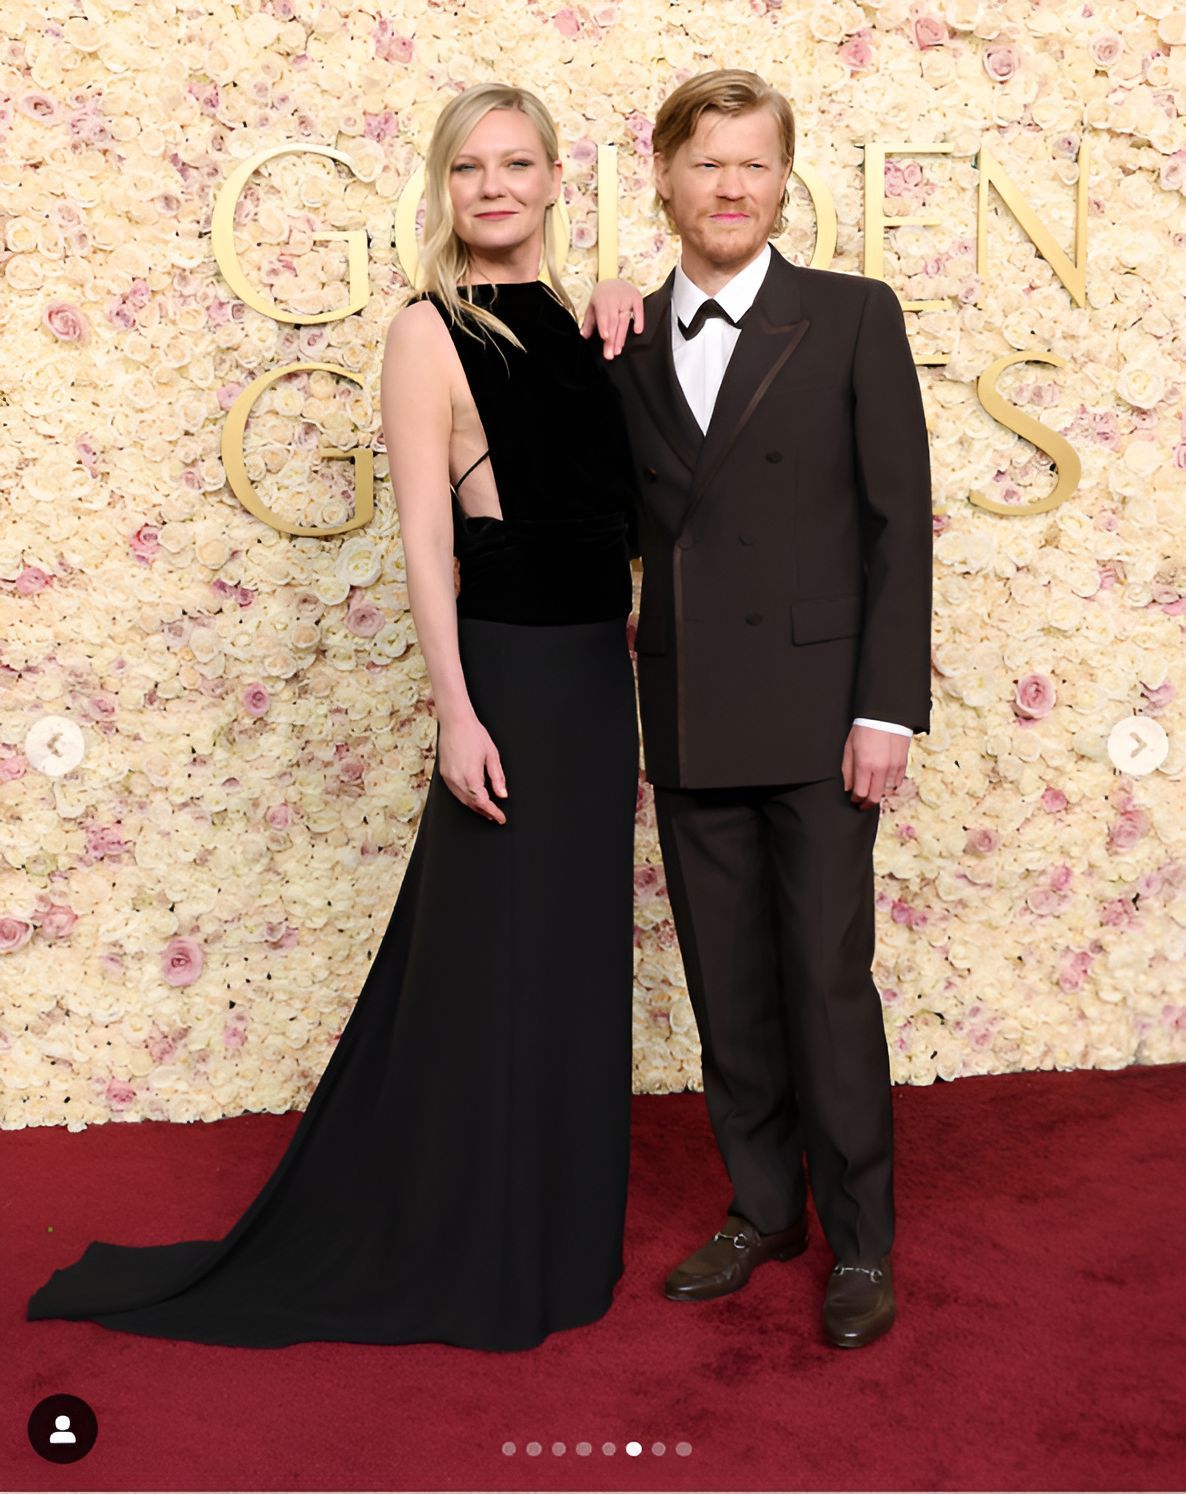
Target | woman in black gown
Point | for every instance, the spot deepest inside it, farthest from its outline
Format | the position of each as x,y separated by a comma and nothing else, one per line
459,1174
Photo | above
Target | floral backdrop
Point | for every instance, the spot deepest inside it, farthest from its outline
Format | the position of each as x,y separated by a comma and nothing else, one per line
188,913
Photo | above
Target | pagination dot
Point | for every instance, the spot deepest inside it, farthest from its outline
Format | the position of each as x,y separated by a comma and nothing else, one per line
508,1449
608,1449
683,1449
584,1449
558,1449
633,1449
534,1449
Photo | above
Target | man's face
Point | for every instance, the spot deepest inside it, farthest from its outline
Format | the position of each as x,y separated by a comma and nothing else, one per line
724,185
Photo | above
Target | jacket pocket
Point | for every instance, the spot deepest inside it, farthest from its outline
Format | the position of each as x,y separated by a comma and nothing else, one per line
814,619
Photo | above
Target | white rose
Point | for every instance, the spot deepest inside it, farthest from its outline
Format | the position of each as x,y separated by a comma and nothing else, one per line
359,562
1139,386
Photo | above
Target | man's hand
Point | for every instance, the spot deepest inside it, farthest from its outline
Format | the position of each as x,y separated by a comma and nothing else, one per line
874,762
615,304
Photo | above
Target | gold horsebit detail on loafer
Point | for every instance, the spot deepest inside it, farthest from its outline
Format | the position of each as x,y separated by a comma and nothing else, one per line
874,1273
740,1239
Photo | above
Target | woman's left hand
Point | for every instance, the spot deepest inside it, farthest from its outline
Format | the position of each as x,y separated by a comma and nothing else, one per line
615,304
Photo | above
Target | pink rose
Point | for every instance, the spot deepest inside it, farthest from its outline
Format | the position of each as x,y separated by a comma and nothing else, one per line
181,962
381,126
144,544
38,106
567,22
32,580
1074,967
1034,697
14,933
66,322
389,45
583,151
1128,829
103,840
1158,699
1001,61
13,767
363,618
1106,48
279,816
255,700
641,129
929,31
981,842
120,1094
280,935
57,921
104,706
162,1046
234,1034
1118,913
857,52
351,769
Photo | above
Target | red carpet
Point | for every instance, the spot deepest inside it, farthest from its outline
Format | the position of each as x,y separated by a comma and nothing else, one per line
1039,1268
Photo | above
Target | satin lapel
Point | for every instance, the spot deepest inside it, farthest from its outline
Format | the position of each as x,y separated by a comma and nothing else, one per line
770,333
649,359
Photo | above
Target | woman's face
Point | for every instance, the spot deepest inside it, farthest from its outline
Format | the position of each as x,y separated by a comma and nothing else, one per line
500,184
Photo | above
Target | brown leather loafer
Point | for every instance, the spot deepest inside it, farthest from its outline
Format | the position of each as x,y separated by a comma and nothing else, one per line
725,1263
859,1303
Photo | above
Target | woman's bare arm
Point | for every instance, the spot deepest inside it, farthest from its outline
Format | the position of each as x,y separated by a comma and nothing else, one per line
417,414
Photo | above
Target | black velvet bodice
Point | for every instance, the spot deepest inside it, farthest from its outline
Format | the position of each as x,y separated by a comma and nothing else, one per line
562,465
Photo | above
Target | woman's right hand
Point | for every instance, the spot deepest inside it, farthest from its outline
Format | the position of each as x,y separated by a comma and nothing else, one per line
466,755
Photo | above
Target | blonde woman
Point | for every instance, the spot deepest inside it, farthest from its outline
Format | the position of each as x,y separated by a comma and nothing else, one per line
459,1174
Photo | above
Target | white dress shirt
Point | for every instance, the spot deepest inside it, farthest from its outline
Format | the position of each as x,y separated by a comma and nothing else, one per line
700,361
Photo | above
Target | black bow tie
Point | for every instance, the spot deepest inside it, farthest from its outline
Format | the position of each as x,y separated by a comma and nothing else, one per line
704,310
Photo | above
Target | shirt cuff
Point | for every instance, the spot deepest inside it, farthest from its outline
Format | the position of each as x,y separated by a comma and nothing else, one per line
902,731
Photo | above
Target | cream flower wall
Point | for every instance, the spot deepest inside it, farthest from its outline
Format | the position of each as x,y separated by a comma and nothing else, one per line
215,738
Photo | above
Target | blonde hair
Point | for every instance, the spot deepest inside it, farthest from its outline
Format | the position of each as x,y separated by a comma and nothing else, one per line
444,257
731,91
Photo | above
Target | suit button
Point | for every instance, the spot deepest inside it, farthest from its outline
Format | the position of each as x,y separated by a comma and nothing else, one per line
650,474
774,456
685,542
753,618
747,538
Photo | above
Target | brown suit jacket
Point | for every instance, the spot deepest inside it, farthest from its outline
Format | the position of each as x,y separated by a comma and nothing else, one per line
787,551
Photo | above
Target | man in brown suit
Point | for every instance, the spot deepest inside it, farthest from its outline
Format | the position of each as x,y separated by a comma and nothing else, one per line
784,662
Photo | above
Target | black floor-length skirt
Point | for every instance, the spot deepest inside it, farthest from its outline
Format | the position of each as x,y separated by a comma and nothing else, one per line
459,1174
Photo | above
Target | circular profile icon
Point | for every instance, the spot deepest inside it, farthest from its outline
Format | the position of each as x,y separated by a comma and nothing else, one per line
1138,745
62,1428
54,745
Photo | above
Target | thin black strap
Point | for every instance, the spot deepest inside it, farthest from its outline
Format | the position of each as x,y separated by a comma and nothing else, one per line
470,468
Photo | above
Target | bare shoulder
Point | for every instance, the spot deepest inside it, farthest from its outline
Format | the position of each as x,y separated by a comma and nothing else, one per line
416,327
